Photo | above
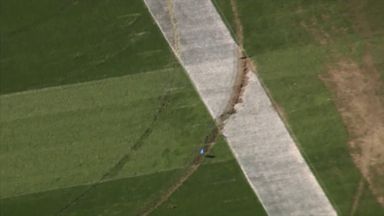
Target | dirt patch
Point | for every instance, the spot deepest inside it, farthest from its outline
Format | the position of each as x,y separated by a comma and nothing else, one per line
373,139
357,91
359,100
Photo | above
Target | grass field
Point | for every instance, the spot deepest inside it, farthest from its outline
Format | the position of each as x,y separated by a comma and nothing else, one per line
290,60
118,197
217,188
60,42
117,124
82,130
372,10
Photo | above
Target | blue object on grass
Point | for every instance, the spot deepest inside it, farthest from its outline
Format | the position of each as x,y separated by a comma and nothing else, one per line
202,151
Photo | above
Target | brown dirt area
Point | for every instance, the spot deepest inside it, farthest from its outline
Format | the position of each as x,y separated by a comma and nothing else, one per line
358,95
362,109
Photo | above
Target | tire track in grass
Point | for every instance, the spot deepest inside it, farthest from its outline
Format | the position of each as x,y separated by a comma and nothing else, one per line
357,196
118,166
114,170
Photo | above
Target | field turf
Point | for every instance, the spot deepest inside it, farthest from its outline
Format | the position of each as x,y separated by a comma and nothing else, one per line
83,130
290,61
98,118
49,43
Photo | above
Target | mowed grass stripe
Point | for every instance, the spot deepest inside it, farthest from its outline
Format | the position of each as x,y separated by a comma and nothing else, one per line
218,186
65,137
54,43
216,189
118,197
90,95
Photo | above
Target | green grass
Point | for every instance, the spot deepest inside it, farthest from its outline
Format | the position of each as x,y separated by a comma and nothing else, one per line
218,188
289,61
48,43
372,10
120,131
83,129
119,197
215,189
